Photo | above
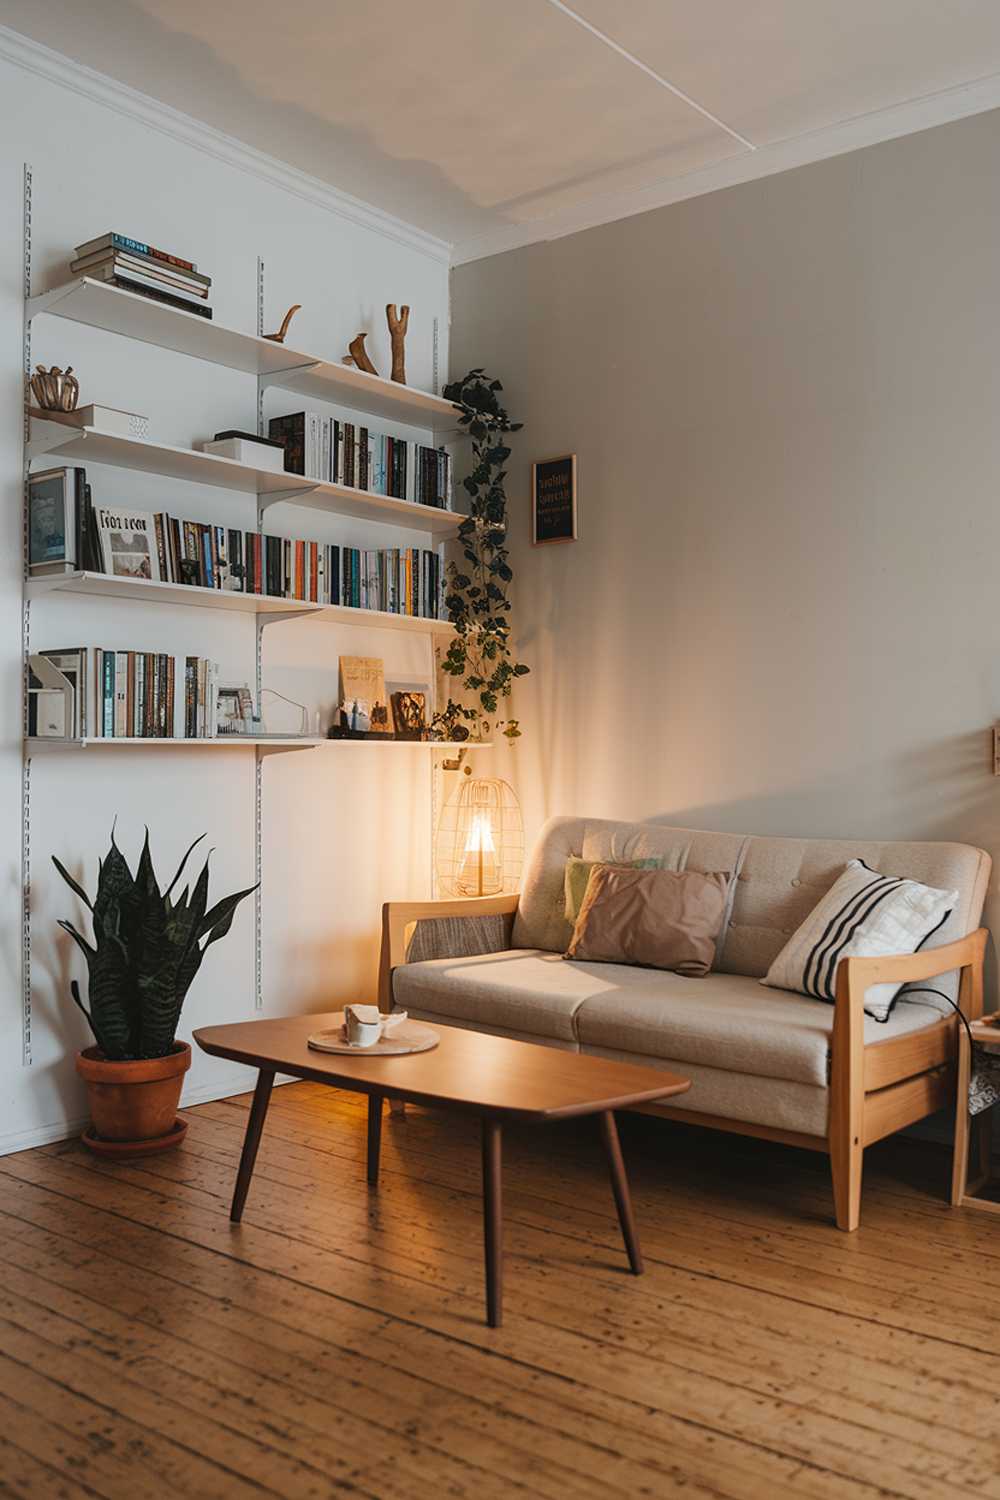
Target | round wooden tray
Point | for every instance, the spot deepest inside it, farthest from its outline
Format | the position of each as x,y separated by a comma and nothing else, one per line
409,1036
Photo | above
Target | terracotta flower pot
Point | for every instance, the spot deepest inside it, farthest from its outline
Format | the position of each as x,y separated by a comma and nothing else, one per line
133,1105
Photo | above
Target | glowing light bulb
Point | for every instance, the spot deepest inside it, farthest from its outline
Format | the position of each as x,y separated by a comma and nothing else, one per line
479,874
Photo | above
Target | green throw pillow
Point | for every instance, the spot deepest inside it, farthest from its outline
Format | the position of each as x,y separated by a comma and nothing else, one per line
578,873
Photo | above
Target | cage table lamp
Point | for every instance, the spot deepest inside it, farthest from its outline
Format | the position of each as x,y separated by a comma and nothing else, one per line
479,849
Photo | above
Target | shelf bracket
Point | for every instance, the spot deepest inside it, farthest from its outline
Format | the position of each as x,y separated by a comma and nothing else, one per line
275,616
263,750
277,376
40,447
275,497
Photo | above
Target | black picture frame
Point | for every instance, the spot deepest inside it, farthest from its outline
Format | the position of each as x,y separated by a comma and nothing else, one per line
553,500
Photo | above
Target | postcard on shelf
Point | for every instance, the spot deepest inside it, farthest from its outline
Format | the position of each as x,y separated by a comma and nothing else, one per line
128,543
364,708
107,419
409,712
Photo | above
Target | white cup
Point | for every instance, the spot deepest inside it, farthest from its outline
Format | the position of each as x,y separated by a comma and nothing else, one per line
362,1025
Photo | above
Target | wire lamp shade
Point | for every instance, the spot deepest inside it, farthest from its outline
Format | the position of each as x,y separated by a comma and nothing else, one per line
479,849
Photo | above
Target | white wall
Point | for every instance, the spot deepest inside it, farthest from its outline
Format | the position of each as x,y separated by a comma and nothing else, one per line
343,829
781,615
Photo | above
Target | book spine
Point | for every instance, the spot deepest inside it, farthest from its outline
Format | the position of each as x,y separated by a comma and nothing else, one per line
188,697
107,694
290,432
363,458
168,707
139,247
126,284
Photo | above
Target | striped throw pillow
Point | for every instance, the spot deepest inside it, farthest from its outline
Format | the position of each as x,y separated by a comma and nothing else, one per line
862,915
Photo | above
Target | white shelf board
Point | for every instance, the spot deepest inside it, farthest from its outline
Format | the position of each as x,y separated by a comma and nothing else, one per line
223,742
151,591
362,505
118,311
57,442
420,744
242,742
357,390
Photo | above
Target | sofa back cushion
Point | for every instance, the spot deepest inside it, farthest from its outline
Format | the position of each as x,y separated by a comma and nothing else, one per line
781,880
541,917
775,882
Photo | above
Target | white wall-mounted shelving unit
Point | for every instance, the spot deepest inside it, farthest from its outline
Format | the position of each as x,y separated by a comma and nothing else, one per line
133,317
118,311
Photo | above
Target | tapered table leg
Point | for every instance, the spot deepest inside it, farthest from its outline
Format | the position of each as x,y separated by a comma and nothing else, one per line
255,1125
619,1186
493,1221
374,1136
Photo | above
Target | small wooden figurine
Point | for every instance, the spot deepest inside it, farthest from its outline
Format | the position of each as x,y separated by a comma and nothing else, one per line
279,337
358,355
398,323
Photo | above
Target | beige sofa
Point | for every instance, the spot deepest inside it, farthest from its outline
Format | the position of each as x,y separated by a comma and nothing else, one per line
762,1062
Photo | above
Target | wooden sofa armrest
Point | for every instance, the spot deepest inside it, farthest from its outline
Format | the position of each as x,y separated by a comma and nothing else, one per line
847,1063
399,916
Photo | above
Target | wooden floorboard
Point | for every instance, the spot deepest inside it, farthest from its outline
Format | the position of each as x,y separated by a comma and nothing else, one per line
334,1343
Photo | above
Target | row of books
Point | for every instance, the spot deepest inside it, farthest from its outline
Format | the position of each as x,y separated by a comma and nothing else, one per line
67,532
139,267
86,692
337,452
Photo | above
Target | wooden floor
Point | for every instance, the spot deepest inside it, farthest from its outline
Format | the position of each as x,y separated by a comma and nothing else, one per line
334,1342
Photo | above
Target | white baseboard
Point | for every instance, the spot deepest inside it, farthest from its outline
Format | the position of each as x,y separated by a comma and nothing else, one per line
65,1130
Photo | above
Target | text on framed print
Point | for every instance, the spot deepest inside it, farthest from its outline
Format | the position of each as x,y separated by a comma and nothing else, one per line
553,500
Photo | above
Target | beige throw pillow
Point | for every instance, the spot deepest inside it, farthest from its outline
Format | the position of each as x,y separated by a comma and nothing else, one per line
661,919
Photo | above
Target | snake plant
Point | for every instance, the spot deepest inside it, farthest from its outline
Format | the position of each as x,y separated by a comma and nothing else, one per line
147,948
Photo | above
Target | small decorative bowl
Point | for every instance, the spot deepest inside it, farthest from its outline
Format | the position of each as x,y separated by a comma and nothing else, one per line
55,389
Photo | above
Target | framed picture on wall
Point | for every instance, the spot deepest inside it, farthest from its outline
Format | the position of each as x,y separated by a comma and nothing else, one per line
553,500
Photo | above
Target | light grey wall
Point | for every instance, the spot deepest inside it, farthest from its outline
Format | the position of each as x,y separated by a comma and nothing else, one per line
781,615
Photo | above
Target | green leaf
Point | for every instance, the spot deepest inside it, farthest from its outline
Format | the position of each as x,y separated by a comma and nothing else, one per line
72,884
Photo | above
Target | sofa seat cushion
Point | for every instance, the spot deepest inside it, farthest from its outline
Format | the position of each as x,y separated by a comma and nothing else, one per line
778,1103
730,1022
525,990
722,1021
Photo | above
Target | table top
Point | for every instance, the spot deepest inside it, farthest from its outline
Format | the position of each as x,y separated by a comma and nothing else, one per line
468,1070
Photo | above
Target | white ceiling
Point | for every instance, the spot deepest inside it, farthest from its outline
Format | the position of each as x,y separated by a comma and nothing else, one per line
496,122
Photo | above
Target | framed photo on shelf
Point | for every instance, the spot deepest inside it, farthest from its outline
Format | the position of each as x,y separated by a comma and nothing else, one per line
553,500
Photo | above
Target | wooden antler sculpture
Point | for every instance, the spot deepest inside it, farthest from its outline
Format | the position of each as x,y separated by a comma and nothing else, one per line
398,324
359,355
279,337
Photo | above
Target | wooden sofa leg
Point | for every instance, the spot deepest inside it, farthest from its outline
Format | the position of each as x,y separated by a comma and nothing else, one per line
845,1165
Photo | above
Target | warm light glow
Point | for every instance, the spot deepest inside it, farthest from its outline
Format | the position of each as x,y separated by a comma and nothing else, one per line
479,873
480,840
480,835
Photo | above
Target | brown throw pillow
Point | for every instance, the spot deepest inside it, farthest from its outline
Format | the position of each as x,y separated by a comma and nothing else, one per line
662,919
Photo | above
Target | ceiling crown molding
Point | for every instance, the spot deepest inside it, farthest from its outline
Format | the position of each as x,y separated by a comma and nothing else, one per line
25,53
744,166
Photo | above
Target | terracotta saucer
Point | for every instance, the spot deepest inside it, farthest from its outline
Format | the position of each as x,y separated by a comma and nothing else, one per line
135,1148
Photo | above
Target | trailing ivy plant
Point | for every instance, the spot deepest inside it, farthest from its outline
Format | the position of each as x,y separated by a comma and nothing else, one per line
479,656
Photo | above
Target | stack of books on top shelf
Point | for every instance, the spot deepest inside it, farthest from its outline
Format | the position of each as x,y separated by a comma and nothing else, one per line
342,453
84,692
138,267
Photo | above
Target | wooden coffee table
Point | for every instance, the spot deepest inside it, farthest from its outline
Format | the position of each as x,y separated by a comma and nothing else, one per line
489,1076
